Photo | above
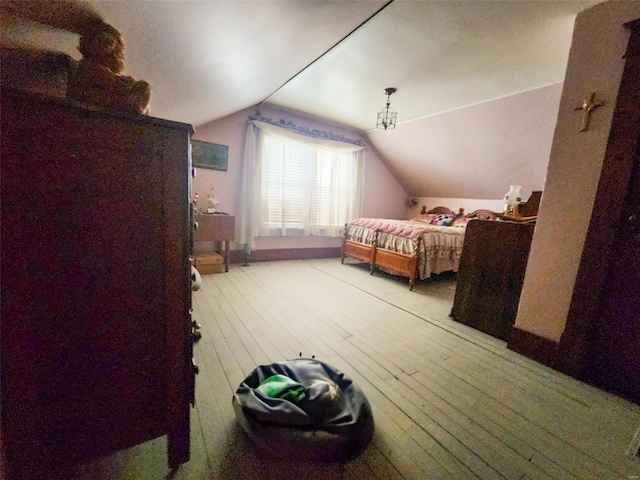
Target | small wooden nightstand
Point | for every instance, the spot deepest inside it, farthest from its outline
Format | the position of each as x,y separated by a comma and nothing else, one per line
215,226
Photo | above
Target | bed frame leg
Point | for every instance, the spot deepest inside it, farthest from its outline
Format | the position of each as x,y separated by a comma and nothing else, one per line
412,281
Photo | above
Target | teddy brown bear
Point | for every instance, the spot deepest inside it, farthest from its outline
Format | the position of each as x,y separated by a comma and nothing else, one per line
98,80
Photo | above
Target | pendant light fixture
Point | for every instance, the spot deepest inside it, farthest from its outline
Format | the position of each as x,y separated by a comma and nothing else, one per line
387,116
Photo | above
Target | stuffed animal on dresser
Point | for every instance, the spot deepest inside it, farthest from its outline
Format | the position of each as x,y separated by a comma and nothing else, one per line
98,80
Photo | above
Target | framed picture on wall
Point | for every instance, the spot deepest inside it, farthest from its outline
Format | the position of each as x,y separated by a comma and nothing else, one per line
209,155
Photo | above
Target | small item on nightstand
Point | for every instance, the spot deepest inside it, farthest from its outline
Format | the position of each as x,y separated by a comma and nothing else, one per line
212,203
525,212
511,200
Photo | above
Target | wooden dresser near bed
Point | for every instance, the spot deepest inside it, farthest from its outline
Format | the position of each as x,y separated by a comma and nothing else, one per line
491,274
96,290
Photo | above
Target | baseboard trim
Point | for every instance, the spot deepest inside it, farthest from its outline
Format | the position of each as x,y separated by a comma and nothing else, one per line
237,256
533,346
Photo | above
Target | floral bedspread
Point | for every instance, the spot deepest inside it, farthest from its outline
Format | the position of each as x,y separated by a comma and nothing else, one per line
405,228
439,247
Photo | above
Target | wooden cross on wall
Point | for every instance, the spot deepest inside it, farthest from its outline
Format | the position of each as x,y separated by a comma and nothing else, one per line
588,105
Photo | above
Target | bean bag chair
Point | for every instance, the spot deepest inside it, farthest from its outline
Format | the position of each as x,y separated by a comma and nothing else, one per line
304,409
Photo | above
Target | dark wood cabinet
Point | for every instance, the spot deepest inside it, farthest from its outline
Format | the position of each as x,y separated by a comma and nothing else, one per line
95,327
490,276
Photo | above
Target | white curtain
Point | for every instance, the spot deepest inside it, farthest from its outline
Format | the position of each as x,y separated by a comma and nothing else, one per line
249,210
332,203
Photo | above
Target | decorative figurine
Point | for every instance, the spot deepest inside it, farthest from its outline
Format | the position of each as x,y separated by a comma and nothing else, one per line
212,203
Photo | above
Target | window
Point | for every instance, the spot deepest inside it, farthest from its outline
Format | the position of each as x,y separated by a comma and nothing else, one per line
307,189
293,184
287,182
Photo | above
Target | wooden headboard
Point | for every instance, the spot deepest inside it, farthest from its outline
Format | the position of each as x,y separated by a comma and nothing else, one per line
483,215
480,214
441,211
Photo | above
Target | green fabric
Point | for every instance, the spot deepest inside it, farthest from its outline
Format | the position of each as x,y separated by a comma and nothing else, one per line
281,386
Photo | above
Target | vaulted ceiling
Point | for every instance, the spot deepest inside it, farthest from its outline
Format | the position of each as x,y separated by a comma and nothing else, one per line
333,59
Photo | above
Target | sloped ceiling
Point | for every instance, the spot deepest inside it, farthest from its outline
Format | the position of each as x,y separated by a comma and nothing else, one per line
440,55
333,59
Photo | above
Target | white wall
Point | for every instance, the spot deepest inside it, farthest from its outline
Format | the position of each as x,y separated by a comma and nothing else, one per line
595,65
383,195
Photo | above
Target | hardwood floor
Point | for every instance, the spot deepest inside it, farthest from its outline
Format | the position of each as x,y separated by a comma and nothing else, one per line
449,402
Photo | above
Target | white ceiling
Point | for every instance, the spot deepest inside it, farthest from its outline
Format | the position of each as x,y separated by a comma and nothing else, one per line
440,55
208,59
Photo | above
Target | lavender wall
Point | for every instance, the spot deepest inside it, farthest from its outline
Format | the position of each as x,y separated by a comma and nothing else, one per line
383,195
475,151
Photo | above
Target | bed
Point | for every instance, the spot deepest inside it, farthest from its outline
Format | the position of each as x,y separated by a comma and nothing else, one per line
429,243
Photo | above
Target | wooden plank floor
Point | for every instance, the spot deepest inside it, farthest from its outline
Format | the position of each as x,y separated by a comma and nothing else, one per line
449,402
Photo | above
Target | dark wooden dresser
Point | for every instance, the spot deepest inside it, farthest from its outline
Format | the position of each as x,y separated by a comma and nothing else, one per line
490,276
95,328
